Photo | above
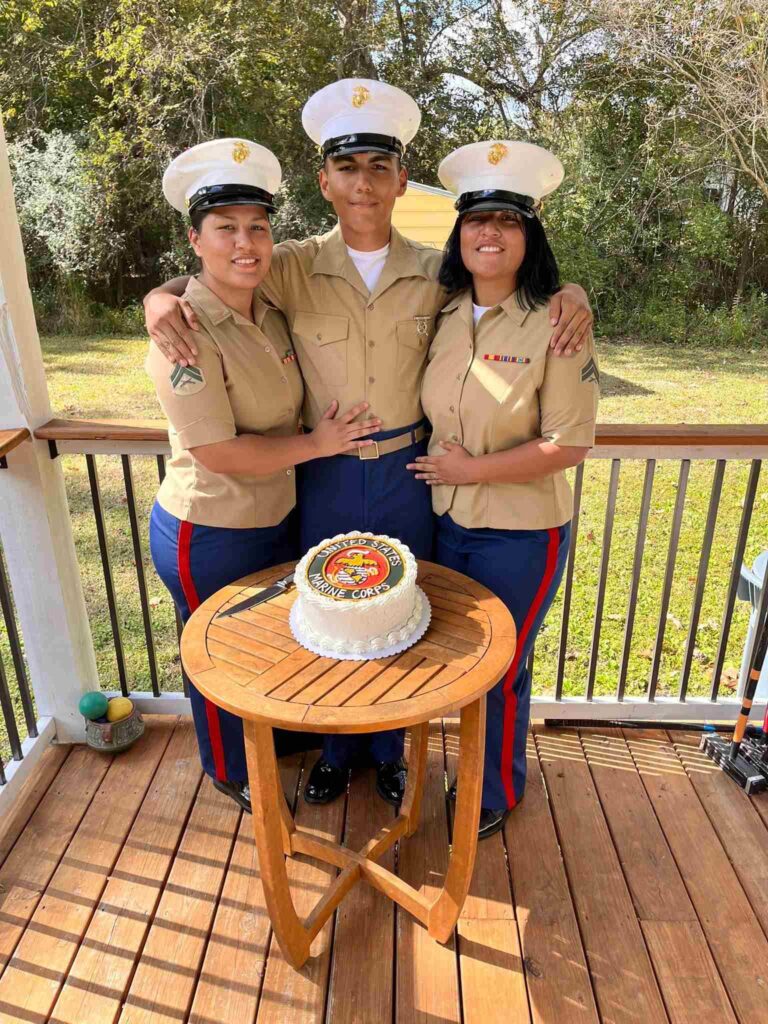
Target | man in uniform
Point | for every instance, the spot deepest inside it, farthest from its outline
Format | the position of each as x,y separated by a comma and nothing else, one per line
361,303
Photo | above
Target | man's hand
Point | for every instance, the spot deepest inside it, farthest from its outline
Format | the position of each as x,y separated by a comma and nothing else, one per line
571,316
171,323
336,434
454,468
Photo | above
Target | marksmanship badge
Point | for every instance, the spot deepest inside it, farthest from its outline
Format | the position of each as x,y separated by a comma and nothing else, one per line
360,95
590,372
187,380
496,153
346,570
240,152
422,324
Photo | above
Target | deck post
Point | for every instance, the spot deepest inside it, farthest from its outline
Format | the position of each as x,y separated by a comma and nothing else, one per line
34,515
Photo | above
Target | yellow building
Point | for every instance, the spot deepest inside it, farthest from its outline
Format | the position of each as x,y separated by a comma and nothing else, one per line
425,214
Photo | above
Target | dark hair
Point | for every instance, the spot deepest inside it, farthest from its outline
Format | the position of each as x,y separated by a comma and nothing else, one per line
538,277
197,217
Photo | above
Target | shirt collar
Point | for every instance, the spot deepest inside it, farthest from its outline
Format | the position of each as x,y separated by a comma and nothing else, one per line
332,257
217,311
510,306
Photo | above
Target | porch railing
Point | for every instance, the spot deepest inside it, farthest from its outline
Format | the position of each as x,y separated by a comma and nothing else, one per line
635,450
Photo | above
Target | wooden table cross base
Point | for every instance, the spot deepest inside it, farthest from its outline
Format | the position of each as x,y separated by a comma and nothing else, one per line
249,664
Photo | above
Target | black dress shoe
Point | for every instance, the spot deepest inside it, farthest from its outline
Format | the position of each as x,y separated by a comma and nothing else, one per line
239,791
391,777
491,822
325,783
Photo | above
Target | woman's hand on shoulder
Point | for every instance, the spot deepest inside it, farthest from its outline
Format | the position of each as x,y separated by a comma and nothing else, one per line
171,324
571,316
336,434
454,468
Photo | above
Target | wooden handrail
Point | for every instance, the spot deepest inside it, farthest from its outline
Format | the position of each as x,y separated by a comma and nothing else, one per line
607,434
10,439
103,430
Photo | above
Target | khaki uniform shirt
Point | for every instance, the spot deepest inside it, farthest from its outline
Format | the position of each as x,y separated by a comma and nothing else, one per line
353,345
246,381
491,404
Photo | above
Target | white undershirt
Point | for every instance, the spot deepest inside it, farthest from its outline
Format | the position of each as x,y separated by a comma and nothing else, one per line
477,311
369,264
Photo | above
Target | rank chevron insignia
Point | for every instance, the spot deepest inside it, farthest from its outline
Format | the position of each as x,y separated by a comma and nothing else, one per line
590,372
187,380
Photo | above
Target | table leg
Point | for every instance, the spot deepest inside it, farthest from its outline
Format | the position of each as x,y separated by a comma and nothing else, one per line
417,770
444,912
271,831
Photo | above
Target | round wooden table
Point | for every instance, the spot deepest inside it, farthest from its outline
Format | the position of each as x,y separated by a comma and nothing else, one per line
249,664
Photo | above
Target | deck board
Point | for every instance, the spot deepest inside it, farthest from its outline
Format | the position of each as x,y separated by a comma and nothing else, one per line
628,886
738,944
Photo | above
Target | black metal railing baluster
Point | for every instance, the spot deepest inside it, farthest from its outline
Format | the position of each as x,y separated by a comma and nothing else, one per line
6,605
733,583
568,591
138,557
101,533
9,715
674,540
610,512
637,565
701,576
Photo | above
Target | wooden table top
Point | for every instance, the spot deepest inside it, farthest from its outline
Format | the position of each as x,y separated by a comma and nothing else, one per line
251,665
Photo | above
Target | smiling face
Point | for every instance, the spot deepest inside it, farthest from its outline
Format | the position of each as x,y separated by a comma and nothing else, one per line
363,188
234,244
493,245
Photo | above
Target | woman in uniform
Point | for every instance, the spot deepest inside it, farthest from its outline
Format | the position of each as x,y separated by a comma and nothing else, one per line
225,507
508,419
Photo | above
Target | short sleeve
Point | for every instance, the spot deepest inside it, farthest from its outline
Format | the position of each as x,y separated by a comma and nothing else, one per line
194,398
568,398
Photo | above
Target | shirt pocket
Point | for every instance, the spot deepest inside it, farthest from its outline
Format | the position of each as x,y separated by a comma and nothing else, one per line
413,340
327,338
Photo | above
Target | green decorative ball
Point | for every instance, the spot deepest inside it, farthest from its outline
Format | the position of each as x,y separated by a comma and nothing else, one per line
93,705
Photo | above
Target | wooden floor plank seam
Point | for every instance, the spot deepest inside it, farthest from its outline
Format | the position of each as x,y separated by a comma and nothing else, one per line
449,839
726,974
31,795
669,994
750,818
270,934
334,918
52,865
541,778
93,899
571,749
151,916
606,817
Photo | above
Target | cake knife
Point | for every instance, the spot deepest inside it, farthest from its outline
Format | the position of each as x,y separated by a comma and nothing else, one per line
280,587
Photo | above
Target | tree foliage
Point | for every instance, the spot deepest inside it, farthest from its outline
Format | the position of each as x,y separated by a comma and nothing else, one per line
658,111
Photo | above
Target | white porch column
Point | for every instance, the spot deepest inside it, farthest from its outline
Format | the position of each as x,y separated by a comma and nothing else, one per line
34,516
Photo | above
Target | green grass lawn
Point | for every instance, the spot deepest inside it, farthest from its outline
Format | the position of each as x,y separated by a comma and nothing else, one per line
103,378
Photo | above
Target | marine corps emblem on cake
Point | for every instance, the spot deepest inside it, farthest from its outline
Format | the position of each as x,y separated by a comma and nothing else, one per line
348,570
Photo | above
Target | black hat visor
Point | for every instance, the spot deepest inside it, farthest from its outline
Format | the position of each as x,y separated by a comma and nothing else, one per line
362,142
210,196
496,199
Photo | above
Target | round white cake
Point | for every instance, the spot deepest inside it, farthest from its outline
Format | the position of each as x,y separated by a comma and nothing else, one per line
357,597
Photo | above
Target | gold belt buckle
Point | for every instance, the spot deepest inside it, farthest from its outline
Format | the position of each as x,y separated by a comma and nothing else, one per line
368,448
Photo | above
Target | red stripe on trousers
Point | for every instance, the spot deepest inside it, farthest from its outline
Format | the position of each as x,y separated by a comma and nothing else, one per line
510,697
193,601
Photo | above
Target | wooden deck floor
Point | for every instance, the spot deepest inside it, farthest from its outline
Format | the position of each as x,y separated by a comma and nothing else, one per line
631,886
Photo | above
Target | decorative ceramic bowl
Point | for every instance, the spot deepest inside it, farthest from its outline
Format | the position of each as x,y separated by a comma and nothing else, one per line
112,737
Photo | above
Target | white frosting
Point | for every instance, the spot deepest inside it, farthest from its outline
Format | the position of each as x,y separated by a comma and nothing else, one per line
364,626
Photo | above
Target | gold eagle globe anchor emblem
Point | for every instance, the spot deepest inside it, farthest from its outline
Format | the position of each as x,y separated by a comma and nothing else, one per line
360,96
496,153
240,152
355,569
